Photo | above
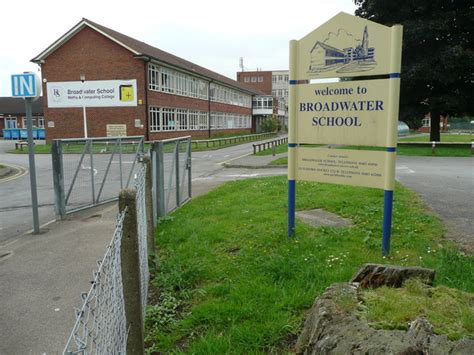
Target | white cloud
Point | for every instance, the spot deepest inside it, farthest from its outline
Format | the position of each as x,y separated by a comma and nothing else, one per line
213,34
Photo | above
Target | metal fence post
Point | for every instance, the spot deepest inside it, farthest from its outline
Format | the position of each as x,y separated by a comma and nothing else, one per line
58,179
92,170
130,260
189,166
160,179
178,194
149,207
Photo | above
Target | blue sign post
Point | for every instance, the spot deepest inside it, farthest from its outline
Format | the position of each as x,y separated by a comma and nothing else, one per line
28,86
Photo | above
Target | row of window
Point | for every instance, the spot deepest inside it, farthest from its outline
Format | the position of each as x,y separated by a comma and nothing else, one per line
280,93
174,82
11,122
253,79
280,78
262,103
164,119
227,95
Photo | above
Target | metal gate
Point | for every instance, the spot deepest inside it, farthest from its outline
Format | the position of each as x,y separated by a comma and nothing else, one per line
89,172
171,174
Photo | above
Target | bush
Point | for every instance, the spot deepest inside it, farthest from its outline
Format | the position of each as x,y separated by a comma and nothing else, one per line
270,124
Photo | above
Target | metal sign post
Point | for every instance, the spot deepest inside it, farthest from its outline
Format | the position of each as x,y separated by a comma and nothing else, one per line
28,86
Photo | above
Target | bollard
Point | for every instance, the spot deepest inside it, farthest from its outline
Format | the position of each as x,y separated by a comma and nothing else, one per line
433,146
130,260
273,148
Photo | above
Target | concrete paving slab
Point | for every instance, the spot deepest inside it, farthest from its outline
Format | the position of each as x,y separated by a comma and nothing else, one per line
319,218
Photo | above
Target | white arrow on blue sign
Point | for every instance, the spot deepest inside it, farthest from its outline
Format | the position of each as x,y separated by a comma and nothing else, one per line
25,85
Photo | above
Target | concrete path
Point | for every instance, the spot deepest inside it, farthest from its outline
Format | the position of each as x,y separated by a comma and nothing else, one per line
42,277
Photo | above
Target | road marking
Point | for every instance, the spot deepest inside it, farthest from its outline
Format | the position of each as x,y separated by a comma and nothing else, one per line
226,161
88,168
21,172
405,169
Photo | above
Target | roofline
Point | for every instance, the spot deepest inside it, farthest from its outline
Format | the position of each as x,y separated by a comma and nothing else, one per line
64,38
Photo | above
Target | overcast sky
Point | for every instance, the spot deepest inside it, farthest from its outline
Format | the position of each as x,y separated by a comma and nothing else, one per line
213,34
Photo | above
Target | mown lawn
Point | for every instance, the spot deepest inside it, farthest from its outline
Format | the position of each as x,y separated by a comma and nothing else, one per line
229,280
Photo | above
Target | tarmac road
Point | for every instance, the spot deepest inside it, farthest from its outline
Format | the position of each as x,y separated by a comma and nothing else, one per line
446,184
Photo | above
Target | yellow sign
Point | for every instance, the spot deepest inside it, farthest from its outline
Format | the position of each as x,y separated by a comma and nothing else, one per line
126,93
345,46
116,130
352,112
345,167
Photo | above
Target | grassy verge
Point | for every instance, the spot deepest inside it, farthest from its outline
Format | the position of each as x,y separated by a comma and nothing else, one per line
405,151
450,311
230,280
282,148
445,137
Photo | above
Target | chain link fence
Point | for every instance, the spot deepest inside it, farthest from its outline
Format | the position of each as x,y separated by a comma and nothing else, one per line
102,325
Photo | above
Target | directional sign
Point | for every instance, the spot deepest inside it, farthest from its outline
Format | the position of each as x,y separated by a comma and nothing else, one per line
26,85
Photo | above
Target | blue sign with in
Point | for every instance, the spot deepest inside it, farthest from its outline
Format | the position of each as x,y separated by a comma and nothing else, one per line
24,85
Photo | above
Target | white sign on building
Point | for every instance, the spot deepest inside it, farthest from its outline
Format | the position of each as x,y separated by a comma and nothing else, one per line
95,93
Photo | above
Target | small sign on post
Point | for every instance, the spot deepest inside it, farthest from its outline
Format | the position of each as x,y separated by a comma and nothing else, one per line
349,112
28,86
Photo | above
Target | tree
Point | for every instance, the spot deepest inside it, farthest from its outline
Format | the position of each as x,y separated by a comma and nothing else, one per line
438,56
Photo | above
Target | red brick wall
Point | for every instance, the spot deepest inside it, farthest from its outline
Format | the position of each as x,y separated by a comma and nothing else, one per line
94,55
265,86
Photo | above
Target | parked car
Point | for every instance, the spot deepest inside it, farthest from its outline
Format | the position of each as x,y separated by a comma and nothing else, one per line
403,129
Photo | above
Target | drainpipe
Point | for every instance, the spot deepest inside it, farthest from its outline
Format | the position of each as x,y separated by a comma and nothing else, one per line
209,108
147,125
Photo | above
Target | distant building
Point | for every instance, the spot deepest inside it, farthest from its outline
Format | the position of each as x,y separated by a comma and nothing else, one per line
275,103
12,113
426,123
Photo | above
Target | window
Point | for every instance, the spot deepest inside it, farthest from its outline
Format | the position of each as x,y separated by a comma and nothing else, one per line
168,119
10,122
262,103
260,79
246,79
154,119
286,78
182,119
253,79
38,122
426,122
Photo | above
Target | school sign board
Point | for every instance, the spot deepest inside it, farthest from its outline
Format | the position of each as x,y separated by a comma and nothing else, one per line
93,93
354,111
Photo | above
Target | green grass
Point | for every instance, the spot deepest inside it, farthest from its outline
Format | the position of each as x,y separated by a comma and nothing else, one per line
450,311
413,150
445,137
235,283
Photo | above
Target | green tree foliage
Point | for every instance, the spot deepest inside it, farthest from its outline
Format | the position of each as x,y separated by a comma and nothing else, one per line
438,56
